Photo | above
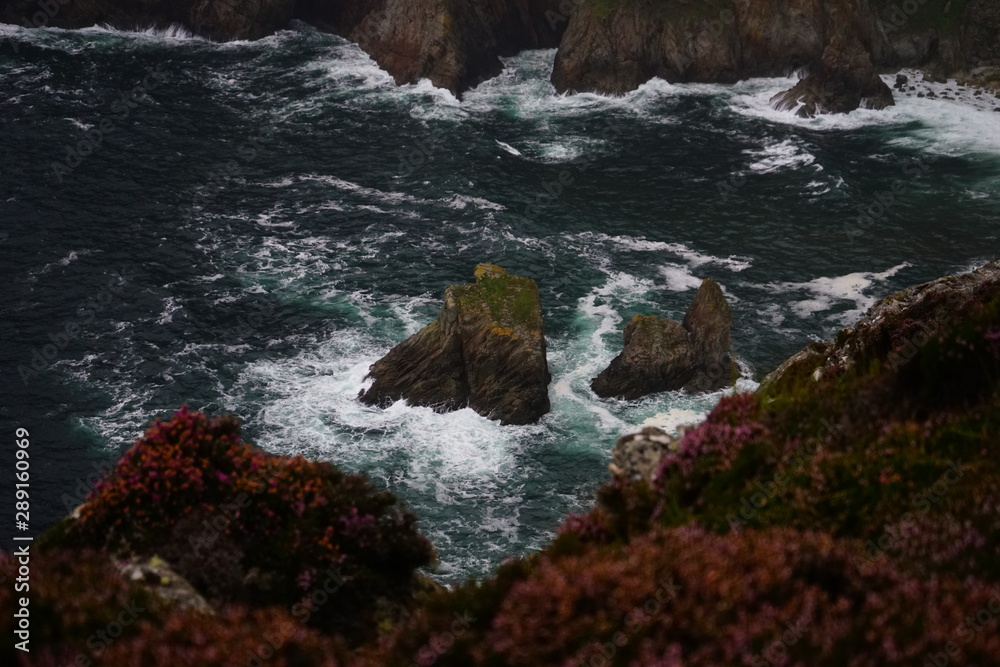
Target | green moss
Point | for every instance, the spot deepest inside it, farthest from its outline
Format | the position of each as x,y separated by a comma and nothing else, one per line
511,301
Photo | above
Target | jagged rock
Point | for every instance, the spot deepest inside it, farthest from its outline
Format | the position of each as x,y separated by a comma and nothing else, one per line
892,329
637,456
486,351
658,356
708,321
663,355
845,81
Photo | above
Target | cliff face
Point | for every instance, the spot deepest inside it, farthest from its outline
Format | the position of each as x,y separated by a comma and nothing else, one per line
613,46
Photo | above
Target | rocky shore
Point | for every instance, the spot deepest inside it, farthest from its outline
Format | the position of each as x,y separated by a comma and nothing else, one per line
605,46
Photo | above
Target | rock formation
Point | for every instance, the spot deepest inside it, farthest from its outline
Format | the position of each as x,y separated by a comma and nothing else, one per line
663,355
609,46
614,47
845,81
637,456
486,351
892,330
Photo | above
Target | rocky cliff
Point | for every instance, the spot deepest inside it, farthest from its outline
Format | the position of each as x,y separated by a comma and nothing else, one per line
613,46
486,351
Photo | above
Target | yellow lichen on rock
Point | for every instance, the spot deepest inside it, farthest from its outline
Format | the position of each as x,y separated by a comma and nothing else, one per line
488,271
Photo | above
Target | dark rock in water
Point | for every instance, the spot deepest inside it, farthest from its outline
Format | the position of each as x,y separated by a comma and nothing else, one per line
486,351
663,355
708,321
658,356
901,80
846,81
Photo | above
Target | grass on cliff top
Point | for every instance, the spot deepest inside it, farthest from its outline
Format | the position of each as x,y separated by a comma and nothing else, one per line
512,301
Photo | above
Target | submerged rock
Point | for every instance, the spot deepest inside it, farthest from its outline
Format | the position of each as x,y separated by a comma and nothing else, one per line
846,80
486,351
663,355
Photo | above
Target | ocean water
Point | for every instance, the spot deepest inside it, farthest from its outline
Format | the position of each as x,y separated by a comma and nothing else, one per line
246,227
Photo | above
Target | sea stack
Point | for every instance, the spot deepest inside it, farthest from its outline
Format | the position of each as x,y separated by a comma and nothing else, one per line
664,355
486,350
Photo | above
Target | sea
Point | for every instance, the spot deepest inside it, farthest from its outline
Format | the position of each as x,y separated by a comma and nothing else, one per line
246,227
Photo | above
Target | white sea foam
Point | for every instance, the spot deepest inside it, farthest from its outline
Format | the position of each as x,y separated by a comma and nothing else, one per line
787,154
825,292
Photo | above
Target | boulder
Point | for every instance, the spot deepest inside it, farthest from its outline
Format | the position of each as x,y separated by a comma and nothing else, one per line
663,355
637,457
846,80
486,351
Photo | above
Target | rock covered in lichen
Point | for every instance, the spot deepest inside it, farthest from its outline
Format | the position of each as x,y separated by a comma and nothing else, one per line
486,351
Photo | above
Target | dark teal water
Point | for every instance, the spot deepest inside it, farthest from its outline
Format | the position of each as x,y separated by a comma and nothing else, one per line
262,221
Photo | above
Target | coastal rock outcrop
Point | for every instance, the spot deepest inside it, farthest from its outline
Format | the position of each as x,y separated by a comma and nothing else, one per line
614,47
663,355
892,331
456,45
486,351
845,80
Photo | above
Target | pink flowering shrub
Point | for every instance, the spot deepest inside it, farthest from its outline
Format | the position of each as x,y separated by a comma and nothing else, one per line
687,596
242,524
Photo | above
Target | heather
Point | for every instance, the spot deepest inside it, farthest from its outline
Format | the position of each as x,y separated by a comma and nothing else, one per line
86,611
844,514
245,526
690,596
